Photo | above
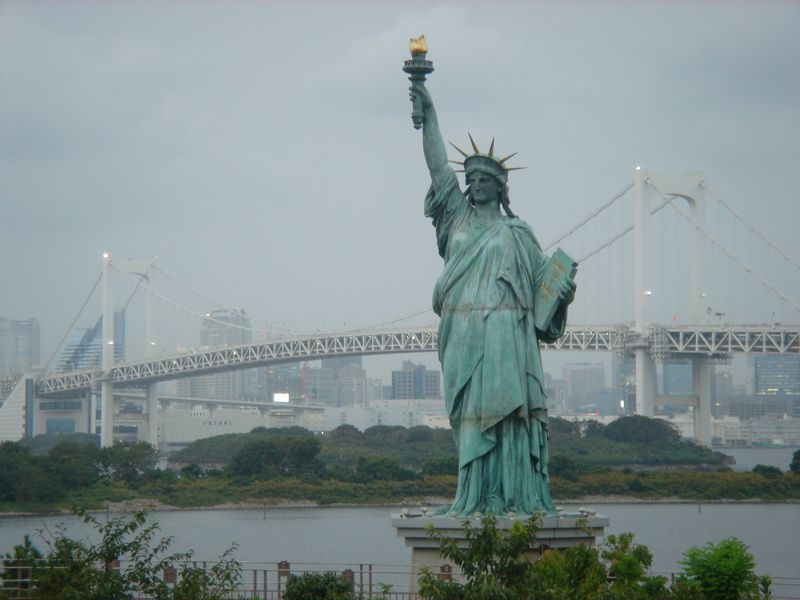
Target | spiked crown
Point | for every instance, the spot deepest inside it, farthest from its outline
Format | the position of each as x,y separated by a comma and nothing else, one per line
484,162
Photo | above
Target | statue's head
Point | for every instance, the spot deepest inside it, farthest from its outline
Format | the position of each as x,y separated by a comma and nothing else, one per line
486,176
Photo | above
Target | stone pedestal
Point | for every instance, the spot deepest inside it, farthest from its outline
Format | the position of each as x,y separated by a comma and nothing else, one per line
563,530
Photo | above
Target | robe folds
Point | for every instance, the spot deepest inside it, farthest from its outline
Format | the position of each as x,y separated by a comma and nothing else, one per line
489,351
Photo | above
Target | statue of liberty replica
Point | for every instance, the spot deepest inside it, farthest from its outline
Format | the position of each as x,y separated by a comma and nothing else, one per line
498,296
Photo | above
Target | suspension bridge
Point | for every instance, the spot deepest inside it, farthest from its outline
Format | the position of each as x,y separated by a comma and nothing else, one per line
654,336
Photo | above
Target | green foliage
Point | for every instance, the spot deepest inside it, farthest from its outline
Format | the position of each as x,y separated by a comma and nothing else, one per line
25,477
127,461
318,586
564,466
724,571
22,565
794,466
382,469
767,470
43,444
447,465
641,430
75,569
496,564
277,456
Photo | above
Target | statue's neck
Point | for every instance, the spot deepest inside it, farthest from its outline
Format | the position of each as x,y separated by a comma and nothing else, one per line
487,212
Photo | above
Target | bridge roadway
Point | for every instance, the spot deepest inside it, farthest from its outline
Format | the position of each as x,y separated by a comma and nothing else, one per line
716,342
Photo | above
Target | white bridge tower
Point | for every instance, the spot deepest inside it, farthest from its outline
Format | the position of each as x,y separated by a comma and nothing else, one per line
691,188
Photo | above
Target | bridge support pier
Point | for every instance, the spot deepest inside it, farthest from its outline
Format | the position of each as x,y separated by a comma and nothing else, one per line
151,400
106,414
645,383
701,384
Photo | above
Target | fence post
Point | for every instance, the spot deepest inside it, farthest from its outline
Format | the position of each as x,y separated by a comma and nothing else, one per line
170,575
369,581
283,573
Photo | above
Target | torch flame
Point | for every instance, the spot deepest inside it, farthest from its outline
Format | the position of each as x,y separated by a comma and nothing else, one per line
418,45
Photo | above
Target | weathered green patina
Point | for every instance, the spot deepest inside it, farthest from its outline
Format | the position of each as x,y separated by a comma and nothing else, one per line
488,342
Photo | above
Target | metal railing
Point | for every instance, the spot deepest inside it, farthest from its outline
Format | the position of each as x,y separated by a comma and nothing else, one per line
267,581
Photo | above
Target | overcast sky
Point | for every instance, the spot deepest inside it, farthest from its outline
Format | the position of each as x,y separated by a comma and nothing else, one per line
265,153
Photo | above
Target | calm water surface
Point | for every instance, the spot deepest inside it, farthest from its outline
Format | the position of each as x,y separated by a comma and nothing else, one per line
335,536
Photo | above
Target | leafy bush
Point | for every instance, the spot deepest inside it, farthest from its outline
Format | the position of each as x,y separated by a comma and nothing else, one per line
79,569
641,430
723,571
318,586
767,470
794,466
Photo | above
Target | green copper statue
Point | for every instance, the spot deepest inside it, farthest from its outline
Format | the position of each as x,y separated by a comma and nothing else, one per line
489,332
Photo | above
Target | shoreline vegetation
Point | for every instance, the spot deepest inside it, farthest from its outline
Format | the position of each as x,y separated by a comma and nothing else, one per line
633,460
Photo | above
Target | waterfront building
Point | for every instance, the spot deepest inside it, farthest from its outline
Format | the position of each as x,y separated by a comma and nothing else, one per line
352,385
405,413
775,374
319,384
556,392
584,381
677,378
415,381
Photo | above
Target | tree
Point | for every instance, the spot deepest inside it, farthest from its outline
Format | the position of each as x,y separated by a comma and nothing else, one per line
767,471
127,461
278,456
497,565
24,477
79,569
724,571
494,564
75,464
794,467
641,430
21,566
380,468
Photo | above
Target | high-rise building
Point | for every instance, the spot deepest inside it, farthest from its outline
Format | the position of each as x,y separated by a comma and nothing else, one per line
352,385
775,374
84,347
415,382
222,328
19,346
282,379
584,381
319,384
677,378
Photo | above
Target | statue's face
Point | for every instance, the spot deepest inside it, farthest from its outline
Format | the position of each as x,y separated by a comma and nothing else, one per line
483,188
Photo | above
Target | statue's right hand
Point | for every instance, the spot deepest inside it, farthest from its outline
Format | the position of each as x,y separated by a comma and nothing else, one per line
418,90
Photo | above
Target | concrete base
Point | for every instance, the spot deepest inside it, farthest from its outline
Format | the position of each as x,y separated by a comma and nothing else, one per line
563,530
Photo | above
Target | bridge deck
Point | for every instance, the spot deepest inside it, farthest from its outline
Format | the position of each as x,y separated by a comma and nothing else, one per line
662,342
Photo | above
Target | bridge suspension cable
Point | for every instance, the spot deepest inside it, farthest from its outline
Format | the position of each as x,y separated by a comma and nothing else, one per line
186,309
669,199
752,228
218,305
619,235
275,326
590,216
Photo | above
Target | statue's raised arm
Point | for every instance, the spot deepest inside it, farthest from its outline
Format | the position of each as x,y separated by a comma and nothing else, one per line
432,141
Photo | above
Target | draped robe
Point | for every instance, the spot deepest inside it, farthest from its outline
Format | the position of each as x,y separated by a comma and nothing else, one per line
489,351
